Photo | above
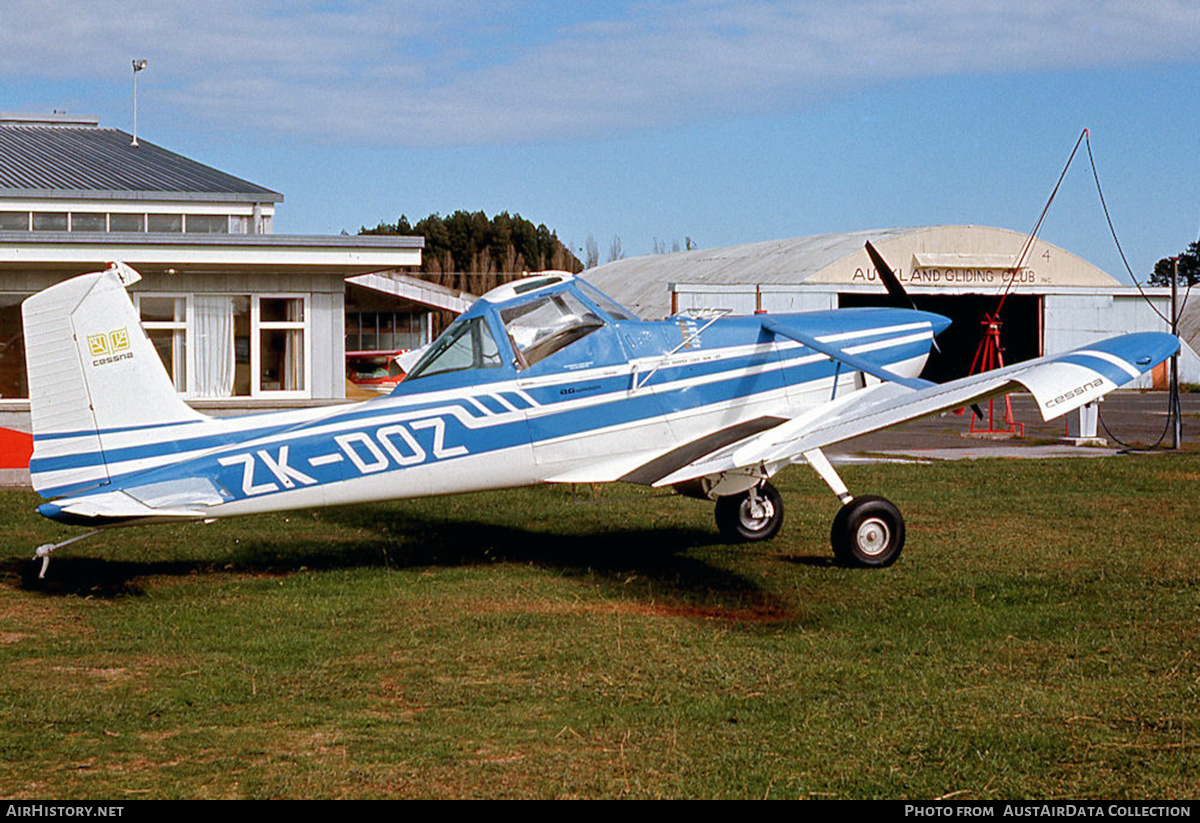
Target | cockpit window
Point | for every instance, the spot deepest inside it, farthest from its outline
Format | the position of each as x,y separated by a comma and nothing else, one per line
547,324
467,344
615,310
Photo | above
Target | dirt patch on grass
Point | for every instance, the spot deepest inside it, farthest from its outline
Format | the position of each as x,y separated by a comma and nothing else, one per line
24,617
75,678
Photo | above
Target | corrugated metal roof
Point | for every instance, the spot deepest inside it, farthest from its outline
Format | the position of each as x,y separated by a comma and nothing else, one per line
642,283
61,161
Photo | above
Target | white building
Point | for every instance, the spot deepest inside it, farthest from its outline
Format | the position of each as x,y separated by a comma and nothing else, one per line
243,318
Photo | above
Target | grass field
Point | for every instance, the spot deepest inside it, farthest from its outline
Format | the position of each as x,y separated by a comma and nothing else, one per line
1036,640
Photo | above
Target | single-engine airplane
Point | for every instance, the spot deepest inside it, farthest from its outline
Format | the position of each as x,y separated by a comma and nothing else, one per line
542,380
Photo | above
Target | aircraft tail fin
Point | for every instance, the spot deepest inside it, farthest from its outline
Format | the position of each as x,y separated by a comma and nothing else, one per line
97,388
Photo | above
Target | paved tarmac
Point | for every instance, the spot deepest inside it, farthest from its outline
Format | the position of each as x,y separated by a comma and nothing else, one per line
1129,420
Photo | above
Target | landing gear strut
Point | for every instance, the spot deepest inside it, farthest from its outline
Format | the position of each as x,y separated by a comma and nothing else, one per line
756,514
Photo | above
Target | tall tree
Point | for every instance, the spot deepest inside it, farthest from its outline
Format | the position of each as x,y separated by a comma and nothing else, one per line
467,243
614,249
467,251
1189,268
593,253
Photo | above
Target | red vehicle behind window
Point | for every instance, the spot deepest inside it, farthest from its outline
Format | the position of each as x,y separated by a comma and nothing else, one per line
374,372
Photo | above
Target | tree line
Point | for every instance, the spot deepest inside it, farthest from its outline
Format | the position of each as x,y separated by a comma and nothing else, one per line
468,251
1189,268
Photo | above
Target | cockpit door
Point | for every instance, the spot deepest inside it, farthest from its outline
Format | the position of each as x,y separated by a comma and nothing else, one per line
573,370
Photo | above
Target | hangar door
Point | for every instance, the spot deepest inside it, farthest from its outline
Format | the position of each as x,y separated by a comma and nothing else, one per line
1021,335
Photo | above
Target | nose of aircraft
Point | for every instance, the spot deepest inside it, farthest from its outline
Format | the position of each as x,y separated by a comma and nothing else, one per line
940,322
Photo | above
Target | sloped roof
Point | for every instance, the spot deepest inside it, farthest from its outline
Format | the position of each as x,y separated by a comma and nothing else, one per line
923,257
642,283
88,162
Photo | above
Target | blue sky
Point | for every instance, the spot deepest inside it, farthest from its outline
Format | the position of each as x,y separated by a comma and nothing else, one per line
723,121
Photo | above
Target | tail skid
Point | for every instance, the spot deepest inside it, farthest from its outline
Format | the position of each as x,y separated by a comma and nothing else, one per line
96,382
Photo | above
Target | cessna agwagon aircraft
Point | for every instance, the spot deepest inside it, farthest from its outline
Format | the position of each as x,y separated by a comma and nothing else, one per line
543,380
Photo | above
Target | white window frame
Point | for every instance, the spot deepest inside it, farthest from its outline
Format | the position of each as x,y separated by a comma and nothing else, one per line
184,325
257,326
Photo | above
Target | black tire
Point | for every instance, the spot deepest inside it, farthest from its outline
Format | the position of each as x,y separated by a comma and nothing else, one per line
868,531
738,522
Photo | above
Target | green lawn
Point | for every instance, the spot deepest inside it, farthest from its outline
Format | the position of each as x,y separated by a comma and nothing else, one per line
1036,640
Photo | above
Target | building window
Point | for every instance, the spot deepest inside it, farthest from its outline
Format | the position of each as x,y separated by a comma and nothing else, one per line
49,221
206,224
281,326
231,345
89,221
164,223
384,330
127,222
12,348
122,222
14,221
165,320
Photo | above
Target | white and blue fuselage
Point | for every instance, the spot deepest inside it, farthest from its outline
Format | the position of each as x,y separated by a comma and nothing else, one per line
545,380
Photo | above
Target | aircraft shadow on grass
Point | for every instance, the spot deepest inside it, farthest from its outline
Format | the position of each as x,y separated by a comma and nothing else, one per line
629,564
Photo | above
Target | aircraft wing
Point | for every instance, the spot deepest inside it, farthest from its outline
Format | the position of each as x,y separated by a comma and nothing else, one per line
1060,383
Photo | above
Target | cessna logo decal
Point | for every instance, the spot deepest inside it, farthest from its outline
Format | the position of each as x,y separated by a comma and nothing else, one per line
1075,392
109,347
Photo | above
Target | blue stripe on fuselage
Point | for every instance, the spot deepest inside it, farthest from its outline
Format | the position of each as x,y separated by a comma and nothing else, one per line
616,408
206,442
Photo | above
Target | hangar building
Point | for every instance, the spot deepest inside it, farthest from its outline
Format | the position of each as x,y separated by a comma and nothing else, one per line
1054,302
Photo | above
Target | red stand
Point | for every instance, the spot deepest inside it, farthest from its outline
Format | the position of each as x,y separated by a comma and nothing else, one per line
990,356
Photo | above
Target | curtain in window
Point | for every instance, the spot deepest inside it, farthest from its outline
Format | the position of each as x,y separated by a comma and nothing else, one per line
213,318
290,370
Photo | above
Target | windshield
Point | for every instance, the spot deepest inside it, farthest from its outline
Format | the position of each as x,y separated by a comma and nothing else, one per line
615,310
467,344
547,324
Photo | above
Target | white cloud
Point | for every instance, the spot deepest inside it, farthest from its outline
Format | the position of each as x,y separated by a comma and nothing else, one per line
483,71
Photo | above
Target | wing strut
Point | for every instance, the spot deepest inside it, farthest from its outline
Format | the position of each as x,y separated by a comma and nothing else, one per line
821,465
773,326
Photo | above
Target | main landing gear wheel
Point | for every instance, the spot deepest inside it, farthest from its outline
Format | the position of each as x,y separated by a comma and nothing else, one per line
868,531
756,514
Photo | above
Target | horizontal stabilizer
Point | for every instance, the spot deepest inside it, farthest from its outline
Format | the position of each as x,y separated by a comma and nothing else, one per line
110,509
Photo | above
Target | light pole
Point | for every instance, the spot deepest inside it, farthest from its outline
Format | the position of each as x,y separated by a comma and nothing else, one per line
138,65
